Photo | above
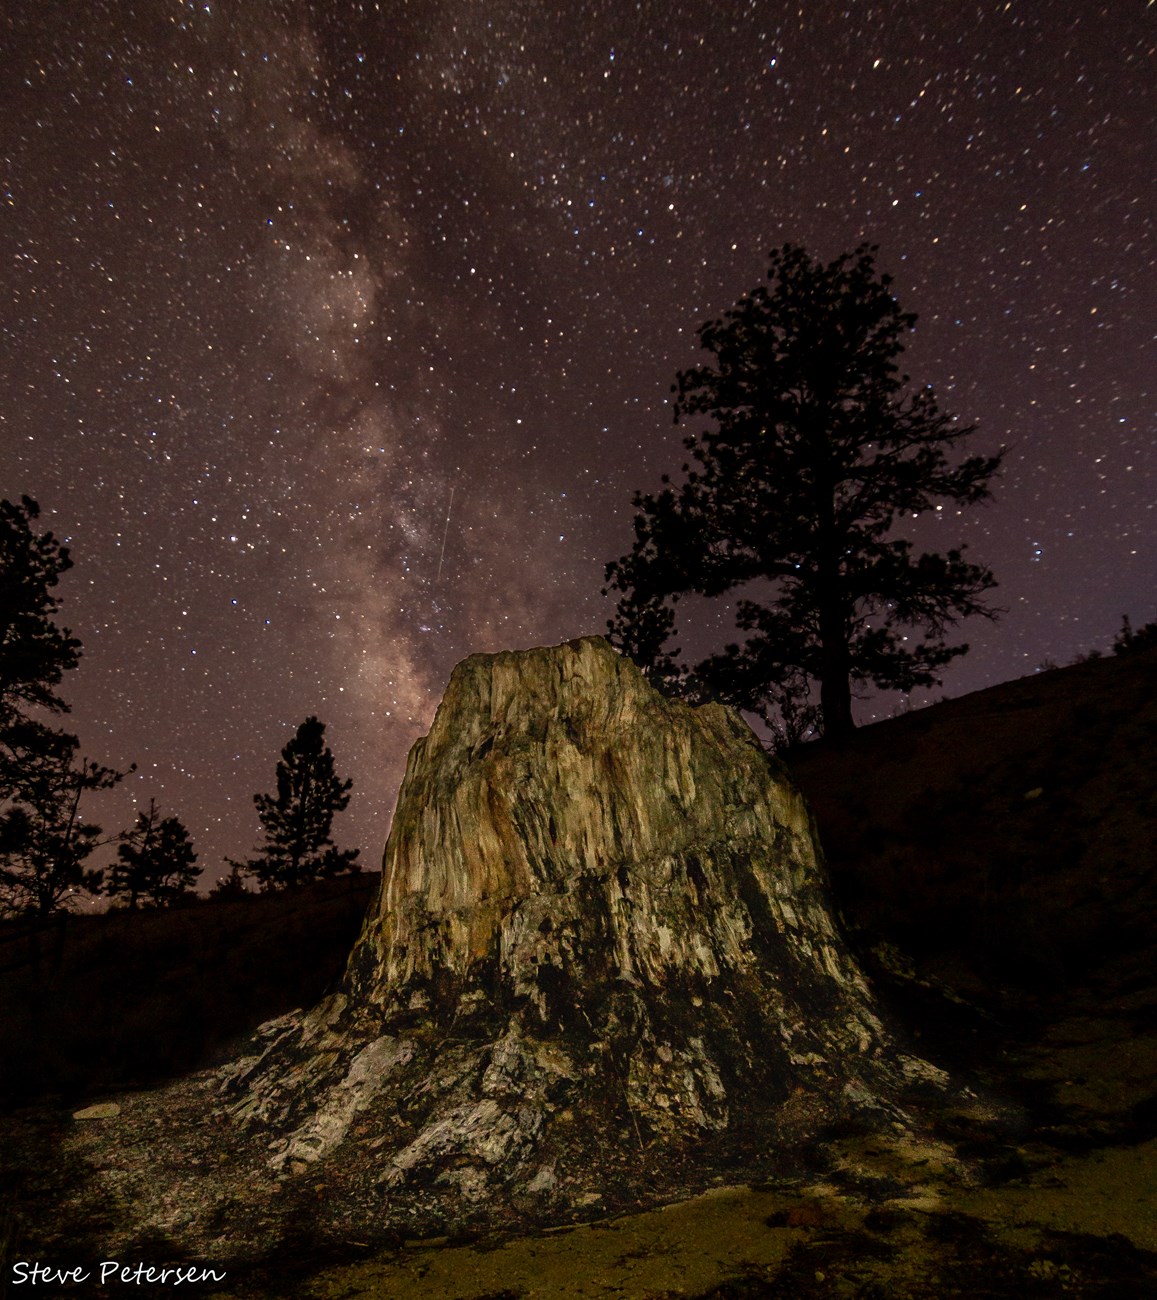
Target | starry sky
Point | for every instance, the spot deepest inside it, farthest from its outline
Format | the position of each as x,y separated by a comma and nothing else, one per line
337,335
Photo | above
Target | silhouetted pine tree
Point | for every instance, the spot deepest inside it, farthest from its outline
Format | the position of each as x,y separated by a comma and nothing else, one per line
298,818
1131,640
231,885
34,653
154,862
819,449
44,842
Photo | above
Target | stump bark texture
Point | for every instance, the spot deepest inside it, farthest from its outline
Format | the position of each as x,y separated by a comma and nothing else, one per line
604,944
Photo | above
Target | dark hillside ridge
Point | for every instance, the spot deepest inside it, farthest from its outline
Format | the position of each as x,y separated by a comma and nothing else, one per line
99,1002
1012,831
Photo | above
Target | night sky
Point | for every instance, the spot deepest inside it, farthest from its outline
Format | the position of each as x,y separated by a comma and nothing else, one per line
291,285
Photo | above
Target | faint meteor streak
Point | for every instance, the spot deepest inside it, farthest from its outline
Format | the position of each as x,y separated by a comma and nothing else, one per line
445,534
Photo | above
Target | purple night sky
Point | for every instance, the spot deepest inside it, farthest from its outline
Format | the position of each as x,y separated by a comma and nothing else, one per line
285,278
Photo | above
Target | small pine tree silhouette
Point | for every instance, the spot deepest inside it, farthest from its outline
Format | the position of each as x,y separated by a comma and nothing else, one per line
1129,641
154,862
297,820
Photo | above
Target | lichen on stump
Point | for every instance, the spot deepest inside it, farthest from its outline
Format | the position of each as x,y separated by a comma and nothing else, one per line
604,928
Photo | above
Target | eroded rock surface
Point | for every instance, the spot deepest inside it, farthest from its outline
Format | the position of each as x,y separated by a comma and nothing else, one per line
603,927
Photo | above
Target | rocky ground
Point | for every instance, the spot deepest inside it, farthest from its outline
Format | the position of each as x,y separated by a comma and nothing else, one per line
1034,985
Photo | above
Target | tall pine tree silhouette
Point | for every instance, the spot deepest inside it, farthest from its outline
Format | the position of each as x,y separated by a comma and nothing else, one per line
44,839
791,503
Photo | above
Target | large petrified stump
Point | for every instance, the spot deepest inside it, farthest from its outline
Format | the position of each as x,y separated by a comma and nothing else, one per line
603,930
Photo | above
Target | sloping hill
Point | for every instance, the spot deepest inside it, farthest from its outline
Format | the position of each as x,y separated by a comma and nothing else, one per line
126,998
1012,832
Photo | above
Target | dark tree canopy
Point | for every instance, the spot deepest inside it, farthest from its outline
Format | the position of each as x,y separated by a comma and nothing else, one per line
1132,640
34,652
154,864
819,447
44,841
298,818
231,885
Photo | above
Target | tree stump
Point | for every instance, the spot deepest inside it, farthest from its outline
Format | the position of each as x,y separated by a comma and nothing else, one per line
604,950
